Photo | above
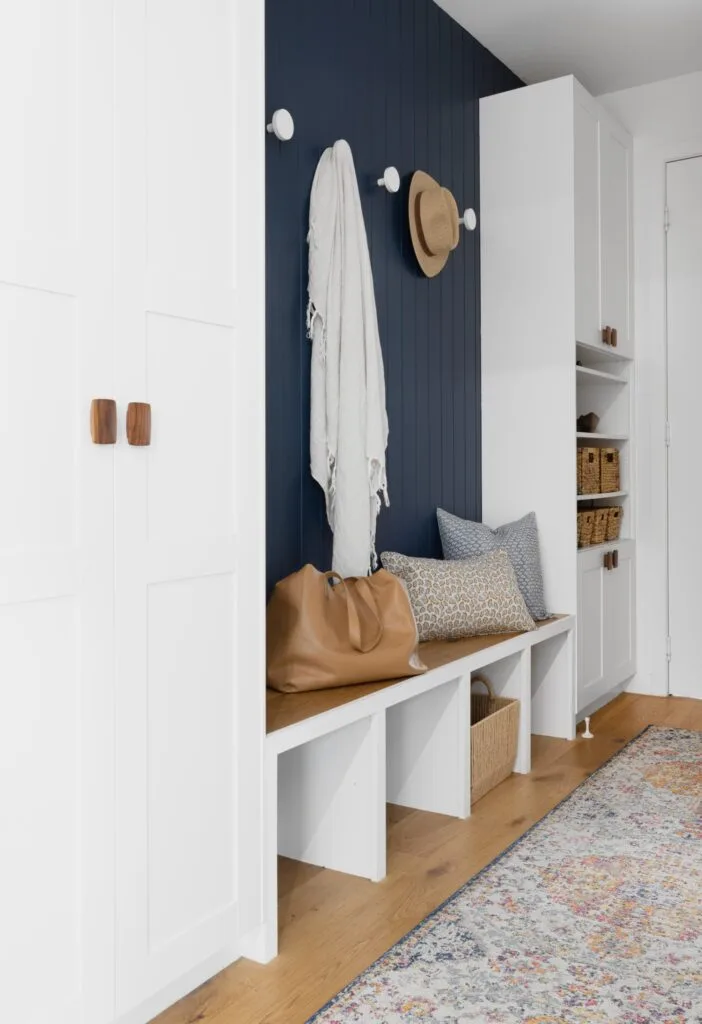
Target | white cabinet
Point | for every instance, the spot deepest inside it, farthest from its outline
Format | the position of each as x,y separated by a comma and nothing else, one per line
556,218
132,599
606,624
603,211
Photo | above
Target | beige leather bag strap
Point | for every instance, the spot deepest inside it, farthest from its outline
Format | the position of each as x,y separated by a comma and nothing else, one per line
366,593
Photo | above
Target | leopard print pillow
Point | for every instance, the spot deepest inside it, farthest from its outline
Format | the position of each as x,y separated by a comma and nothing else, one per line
454,599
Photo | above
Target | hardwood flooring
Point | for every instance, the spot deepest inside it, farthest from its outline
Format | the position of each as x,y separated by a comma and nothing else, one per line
332,926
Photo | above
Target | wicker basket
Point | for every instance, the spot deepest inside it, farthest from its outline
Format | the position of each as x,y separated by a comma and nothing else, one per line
588,470
614,521
493,738
586,521
609,470
599,528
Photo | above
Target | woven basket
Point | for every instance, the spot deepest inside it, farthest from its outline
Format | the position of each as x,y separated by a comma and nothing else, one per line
599,528
493,738
586,522
614,521
589,470
609,470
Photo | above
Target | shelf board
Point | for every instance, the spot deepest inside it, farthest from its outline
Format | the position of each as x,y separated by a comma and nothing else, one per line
603,547
603,352
601,375
597,497
602,437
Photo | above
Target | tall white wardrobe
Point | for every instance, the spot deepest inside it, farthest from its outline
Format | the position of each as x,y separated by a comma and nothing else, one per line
556,278
131,577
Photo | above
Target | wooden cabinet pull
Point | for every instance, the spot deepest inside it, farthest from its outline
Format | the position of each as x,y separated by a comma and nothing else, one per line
103,421
613,337
615,559
607,561
139,424
607,335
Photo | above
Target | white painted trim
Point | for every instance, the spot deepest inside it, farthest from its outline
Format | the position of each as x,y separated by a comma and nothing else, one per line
250,338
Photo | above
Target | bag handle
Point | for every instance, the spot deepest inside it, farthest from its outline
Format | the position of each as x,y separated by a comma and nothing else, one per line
486,683
368,598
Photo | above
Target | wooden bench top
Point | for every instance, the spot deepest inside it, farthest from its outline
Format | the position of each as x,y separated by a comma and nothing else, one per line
284,709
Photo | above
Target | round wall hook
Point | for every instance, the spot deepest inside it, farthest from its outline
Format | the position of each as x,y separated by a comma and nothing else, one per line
390,179
469,220
282,125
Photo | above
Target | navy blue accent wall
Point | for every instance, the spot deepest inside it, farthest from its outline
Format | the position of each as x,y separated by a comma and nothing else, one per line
400,81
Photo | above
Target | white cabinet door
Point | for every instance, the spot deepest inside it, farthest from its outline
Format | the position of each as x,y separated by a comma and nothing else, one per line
615,221
176,518
587,226
56,513
606,621
618,608
591,667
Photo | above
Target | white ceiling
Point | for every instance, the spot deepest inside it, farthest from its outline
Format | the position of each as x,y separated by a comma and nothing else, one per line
607,44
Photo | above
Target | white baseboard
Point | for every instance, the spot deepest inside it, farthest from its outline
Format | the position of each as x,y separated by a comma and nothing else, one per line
169,995
647,684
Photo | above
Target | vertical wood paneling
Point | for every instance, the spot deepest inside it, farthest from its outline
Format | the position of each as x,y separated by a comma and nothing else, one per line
400,80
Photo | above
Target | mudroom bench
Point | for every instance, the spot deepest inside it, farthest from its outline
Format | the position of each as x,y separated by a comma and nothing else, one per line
335,758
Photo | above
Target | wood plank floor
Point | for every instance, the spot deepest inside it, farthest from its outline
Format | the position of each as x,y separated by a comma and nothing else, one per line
333,926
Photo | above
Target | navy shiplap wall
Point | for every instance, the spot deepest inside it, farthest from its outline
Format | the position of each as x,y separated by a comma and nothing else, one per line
400,81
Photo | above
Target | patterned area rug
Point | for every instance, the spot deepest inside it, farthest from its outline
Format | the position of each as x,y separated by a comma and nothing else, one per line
595,915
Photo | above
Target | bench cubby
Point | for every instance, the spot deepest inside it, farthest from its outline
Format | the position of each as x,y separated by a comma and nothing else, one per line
335,758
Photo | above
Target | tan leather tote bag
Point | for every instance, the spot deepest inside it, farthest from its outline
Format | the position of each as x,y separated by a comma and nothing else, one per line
324,631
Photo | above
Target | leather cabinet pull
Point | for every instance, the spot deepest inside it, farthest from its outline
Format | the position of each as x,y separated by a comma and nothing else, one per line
139,424
607,335
613,337
615,559
103,421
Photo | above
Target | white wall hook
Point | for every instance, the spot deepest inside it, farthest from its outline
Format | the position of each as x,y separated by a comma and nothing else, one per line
469,220
390,179
282,125
587,735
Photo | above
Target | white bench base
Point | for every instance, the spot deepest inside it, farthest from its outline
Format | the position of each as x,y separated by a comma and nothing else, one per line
329,777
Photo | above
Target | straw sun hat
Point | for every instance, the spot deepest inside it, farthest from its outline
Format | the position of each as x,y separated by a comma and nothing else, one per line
433,222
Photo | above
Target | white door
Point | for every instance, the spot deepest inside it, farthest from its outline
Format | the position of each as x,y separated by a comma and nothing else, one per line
590,626
56,513
615,213
176,515
684,244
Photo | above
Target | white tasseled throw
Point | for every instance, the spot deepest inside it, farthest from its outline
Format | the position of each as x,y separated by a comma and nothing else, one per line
349,424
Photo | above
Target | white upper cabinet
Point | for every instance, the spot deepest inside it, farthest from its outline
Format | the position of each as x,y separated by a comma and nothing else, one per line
602,192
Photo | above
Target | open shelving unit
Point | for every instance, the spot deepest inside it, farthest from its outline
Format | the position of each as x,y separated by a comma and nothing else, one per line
603,383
